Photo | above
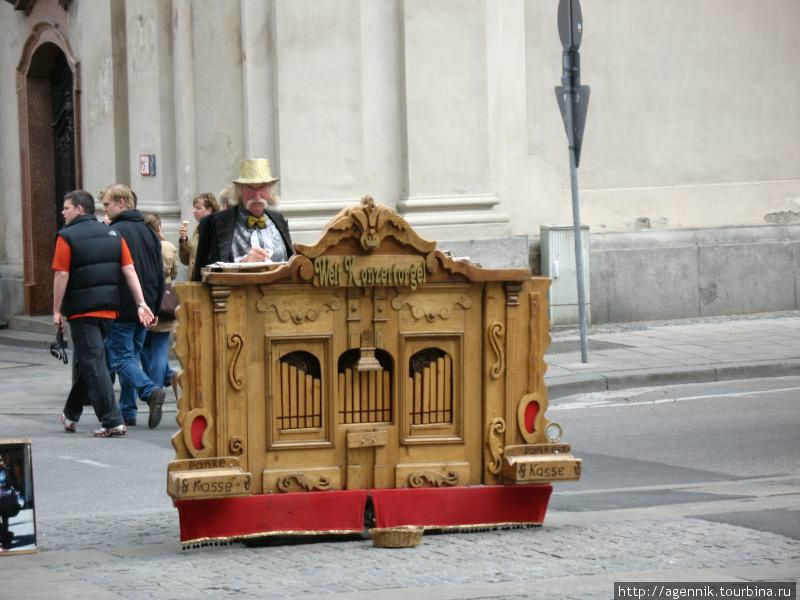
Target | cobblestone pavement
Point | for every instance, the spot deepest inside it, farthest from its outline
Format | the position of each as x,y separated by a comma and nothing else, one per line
137,556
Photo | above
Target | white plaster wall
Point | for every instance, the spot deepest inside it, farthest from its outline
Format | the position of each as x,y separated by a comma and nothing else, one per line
427,103
12,37
528,186
693,119
92,32
382,97
258,75
446,97
150,102
218,101
319,100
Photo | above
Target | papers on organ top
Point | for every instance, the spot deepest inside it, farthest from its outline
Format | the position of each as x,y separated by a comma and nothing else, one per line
245,266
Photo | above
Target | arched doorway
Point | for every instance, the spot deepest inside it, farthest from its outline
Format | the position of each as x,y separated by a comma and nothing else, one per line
48,95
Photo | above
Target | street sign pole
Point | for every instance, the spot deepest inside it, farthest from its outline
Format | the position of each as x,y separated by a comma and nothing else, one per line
573,99
576,226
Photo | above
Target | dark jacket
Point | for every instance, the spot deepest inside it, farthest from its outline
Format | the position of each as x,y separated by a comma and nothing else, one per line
94,268
145,250
215,237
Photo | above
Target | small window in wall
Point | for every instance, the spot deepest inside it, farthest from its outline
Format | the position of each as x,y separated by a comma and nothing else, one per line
431,383
364,396
301,393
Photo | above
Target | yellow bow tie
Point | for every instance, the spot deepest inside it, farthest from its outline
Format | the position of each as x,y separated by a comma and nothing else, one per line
260,222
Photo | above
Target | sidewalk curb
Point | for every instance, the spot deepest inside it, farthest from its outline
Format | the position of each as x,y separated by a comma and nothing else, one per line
583,383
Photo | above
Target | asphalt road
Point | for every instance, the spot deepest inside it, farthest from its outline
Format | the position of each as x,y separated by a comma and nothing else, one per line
76,472
662,438
708,472
664,446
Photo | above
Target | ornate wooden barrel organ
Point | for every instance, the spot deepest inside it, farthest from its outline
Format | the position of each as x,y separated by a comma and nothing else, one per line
370,367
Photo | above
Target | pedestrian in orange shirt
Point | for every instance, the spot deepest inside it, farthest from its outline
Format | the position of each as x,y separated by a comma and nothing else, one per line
90,261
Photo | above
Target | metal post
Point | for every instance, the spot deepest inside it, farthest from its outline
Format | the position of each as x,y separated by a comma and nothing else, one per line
576,227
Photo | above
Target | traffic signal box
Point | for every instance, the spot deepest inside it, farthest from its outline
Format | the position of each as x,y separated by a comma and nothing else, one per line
370,366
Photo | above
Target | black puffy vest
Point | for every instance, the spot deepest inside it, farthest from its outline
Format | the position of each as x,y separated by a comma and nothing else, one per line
94,270
145,248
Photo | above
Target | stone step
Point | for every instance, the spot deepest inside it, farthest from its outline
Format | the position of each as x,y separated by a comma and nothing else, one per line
38,324
26,339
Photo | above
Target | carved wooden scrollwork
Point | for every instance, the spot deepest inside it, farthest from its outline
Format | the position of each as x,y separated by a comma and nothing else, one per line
495,439
236,445
370,223
309,312
306,482
496,332
422,309
430,478
235,341
304,268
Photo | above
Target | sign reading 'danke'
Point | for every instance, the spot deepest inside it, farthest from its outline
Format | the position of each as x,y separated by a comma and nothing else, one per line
362,271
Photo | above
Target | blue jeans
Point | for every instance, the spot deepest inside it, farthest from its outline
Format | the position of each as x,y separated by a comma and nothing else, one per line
155,357
124,346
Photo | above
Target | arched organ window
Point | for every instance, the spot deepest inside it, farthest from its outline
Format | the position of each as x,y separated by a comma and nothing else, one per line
301,397
431,383
365,396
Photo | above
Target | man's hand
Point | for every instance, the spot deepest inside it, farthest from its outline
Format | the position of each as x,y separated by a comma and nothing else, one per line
257,255
183,232
58,320
145,315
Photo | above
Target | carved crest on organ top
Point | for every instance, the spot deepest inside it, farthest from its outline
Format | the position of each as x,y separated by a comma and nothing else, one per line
370,223
367,245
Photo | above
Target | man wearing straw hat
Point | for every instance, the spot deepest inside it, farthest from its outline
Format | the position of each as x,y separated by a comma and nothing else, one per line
248,231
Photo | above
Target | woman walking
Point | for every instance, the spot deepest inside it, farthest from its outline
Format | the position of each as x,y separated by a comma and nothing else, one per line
155,351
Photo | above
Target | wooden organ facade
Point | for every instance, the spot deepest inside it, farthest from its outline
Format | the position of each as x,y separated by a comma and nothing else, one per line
369,363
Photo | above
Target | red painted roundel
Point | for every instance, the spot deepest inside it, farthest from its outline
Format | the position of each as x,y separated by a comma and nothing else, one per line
198,429
531,410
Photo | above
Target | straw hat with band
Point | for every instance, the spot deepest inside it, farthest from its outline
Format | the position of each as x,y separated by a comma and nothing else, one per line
255,171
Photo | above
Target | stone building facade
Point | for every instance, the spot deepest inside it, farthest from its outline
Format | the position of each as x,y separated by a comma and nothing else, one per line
442,109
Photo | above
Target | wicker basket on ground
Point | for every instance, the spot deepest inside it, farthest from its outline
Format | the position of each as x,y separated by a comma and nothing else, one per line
406,536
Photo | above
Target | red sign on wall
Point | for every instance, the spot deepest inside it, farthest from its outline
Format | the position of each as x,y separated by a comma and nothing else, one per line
147,165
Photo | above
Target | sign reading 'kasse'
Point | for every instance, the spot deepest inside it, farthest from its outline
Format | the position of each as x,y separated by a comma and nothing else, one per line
532,469
372,271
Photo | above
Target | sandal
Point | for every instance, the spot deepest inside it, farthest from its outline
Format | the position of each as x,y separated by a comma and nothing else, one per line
117,431
70,426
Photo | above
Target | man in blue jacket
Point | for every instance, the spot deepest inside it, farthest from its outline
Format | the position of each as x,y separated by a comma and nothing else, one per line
126,337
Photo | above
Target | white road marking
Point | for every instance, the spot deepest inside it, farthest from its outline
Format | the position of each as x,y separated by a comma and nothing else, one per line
721,487
614,403
86,461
